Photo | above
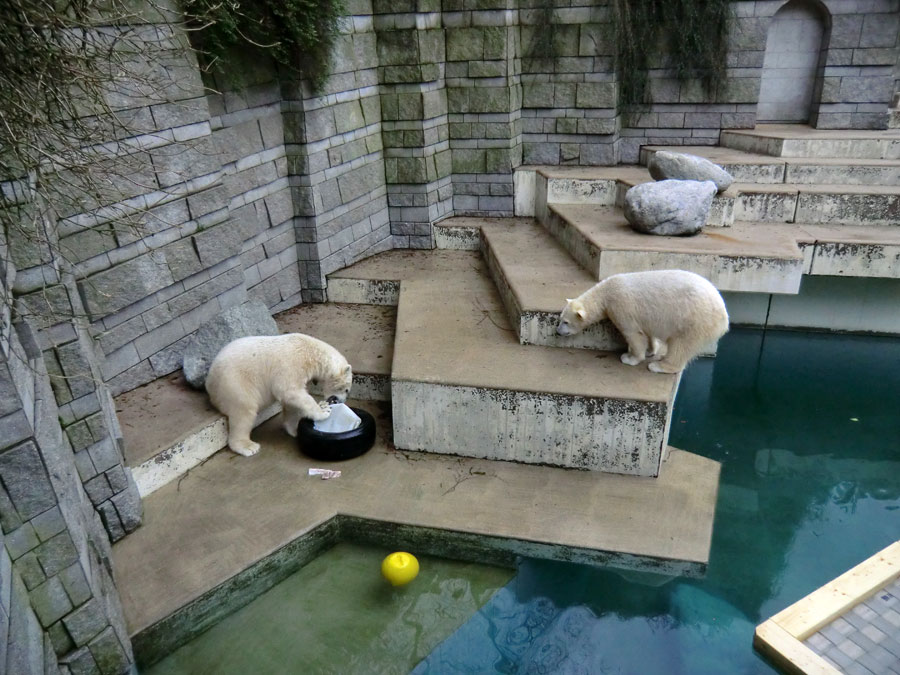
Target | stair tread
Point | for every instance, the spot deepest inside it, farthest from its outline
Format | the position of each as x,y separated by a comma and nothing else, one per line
720,155
539,271
606,227
803,132
469,342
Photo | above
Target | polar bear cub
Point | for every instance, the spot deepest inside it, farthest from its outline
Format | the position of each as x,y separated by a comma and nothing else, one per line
666,315
251,373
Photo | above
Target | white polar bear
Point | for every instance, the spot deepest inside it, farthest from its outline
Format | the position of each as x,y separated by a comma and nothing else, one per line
251,373
672,312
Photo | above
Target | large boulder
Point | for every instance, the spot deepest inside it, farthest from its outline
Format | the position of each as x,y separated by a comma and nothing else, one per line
251,318
665,165
669,207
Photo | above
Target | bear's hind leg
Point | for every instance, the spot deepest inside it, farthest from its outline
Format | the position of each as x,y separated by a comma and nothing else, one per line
637,349
240,424
679,353
658,349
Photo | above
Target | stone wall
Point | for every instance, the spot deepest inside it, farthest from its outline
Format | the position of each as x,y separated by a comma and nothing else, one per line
59,608
249,185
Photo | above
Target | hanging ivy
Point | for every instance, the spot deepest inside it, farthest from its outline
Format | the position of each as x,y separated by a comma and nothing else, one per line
688,36
298,34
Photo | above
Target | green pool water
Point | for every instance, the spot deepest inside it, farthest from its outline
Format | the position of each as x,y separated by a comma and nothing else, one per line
807,428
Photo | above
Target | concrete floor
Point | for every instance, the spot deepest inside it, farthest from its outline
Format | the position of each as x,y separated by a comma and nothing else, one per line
158,415
231,512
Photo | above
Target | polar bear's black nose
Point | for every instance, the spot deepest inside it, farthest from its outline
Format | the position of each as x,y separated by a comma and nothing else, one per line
331,400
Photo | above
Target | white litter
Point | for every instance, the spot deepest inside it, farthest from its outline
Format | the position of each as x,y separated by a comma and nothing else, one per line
325,473
342,418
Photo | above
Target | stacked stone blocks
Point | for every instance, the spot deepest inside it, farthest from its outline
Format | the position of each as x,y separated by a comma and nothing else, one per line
417,162
569,106
484,102
59,610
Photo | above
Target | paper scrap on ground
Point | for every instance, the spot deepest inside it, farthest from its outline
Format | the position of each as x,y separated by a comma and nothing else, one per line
342,418
325,473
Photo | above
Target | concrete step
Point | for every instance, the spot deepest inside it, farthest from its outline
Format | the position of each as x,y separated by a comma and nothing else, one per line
169,428
749,257
235,526
457,353
534,275
768,202
837,204
376,280
747,167
841,251
463,385
796,140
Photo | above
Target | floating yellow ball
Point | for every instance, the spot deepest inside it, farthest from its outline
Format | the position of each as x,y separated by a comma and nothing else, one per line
400,568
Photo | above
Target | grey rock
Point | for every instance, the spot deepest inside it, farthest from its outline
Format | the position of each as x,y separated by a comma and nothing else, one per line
680,166
250,318
669,207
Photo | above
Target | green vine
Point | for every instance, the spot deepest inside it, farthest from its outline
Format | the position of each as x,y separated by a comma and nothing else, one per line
689,36
297,33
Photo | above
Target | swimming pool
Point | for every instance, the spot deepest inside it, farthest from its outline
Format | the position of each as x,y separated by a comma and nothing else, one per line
807,427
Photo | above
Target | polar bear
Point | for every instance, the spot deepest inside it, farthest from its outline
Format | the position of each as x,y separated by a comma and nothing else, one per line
672,313
251,373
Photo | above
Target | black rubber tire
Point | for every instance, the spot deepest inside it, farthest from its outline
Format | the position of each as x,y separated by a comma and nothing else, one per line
337,447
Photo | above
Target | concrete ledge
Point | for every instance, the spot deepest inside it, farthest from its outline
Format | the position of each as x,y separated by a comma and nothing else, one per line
749,257
747,167
236,525
795,140
611,435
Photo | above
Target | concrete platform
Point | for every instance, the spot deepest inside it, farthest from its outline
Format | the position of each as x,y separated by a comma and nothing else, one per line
748,167
169,427
797,140
534,275
462,384
234,526
376,280
750,257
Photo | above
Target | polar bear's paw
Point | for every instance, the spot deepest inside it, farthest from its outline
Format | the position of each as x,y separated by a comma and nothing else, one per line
247,449
630,360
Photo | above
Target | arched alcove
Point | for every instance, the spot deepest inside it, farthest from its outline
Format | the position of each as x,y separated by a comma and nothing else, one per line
793,48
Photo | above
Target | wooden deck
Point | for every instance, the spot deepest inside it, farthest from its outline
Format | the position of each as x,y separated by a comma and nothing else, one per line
850,625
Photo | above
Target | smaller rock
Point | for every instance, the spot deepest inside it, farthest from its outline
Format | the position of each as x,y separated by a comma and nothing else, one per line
681,166
669,207
250,318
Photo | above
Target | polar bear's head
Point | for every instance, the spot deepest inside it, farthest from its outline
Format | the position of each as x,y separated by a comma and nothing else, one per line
573,319
337,384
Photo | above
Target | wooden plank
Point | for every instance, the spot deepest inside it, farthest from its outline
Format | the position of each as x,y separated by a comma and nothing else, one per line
788,653
835,598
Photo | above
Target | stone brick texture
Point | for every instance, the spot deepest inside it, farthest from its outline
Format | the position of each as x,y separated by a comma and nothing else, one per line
248,184
252,185
58,601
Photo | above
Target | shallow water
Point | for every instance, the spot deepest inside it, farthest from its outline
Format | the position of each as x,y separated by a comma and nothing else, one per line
807,428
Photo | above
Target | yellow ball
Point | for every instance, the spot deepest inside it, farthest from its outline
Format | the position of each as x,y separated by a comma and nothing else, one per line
400,568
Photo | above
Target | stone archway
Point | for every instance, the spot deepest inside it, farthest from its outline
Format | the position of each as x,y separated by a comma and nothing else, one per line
793,47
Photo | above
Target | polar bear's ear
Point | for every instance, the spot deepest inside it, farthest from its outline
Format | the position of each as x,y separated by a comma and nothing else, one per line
580,313
568,300
346,370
